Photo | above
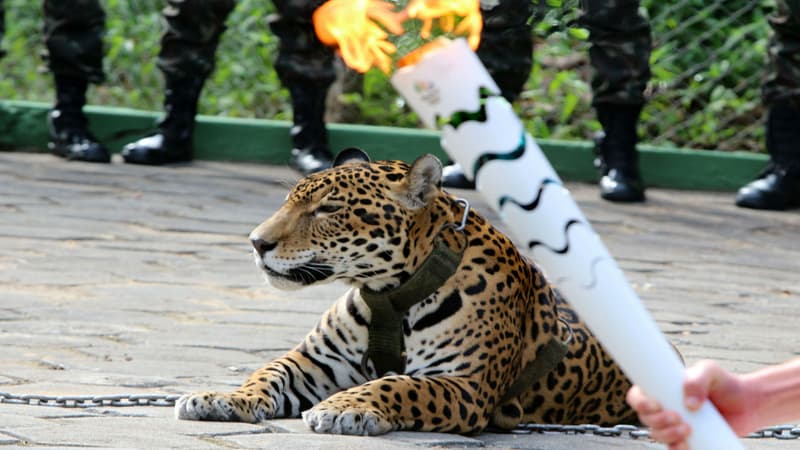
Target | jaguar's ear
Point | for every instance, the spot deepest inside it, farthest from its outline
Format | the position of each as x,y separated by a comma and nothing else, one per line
424,180
349,155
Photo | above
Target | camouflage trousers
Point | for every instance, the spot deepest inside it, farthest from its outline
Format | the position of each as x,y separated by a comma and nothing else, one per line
73,36
2,25
619,51
193,31
302,59
74,29
782,80
506,47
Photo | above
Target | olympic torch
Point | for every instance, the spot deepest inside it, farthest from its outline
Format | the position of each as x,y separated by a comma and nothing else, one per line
450,89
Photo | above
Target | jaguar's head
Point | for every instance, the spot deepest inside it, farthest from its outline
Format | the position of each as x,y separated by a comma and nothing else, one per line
366,223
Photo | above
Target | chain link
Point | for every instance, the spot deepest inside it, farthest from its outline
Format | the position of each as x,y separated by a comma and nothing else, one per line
91,401
778,432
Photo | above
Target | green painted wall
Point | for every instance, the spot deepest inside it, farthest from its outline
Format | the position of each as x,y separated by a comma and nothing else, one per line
23,128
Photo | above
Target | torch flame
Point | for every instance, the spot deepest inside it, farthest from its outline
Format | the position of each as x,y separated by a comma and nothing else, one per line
445,11
360,28
351,25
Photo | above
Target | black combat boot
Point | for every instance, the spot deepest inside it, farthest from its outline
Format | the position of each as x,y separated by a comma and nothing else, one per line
310,152
778,186
453,177
616,156
69,129
172,142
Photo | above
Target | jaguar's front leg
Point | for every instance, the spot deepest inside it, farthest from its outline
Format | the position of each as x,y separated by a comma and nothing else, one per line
224,407
279,389
327,361
401,402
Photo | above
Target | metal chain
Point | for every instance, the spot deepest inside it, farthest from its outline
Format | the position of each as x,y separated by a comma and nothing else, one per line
776,432
615,431
91,401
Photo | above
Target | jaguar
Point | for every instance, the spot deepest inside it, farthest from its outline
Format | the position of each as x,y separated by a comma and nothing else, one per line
446,326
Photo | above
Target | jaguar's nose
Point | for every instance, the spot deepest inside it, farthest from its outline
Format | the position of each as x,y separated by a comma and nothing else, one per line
262,246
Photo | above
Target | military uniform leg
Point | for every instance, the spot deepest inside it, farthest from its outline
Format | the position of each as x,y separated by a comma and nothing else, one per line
506,47
778,186
73,34
619,53
186,58
2,26
305,67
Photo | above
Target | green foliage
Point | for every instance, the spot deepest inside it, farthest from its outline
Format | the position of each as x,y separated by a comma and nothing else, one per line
707,64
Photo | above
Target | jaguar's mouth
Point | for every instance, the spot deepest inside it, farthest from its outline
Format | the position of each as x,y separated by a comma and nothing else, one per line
306,274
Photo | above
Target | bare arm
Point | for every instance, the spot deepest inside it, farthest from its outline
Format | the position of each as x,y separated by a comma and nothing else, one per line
776,393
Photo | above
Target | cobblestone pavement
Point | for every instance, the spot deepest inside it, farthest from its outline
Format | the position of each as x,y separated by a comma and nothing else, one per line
139,280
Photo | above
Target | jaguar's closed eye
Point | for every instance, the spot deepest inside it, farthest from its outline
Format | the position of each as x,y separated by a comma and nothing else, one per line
327,209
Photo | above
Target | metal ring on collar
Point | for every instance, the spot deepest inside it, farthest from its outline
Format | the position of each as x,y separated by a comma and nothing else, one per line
465,204
569,327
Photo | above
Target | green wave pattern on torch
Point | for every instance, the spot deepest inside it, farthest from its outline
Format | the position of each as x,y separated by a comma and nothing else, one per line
459,117
533,203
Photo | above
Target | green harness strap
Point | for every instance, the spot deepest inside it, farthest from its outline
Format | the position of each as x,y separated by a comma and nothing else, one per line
386,348
547,358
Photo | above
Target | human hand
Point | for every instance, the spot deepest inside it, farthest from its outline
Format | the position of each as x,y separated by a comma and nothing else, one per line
704,380
666,426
